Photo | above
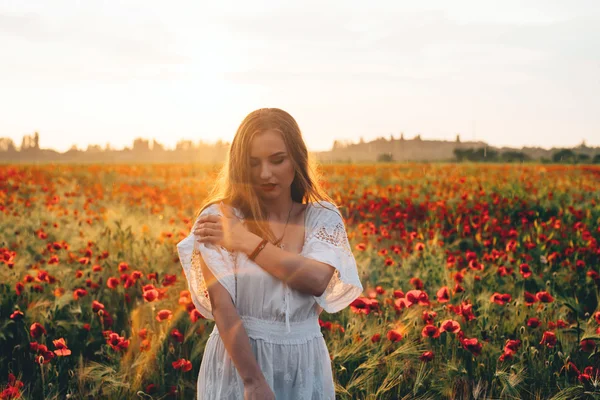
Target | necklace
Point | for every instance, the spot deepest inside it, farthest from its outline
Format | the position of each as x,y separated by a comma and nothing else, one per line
278,242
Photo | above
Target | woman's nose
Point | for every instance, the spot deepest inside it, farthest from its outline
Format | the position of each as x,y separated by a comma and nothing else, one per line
265,173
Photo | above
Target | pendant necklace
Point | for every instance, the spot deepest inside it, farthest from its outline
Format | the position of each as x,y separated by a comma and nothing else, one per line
278,242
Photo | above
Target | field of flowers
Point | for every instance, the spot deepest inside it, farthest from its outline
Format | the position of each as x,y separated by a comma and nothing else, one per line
481,282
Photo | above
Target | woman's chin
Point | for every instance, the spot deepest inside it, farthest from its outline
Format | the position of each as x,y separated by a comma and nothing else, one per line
269,194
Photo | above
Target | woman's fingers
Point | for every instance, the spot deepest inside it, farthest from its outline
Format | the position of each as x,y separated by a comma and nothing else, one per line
207,232
207,218
208,239
211,225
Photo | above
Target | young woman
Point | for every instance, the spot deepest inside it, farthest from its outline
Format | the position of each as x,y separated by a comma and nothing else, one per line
267,253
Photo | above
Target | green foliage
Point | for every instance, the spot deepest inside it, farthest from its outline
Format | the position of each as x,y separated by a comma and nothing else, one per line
385,157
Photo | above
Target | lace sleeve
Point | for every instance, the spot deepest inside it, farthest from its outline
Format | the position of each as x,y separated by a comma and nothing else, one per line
220,262
328,243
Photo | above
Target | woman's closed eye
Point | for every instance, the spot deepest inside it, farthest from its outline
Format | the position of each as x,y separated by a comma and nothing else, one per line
276,161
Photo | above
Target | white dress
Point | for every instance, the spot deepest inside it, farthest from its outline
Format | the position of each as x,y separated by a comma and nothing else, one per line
281,322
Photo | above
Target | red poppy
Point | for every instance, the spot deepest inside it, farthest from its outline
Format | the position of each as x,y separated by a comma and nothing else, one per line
45,356
96,306
17,315
115,341
428,316
112,282
458,289
178,336
503,271
587,345
145,345
195,315
525,270
164,315
77,293
450,326
548,339
430,331
472,345
443,295
135,275
476,265
19,287
169,280
361,305
182,364
185,296
544,297
501,298
417,297
61,347
417,283
150,295
36,330
426,356
394,335
530,298
466,310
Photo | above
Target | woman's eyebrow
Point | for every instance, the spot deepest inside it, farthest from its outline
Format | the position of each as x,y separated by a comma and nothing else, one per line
272,155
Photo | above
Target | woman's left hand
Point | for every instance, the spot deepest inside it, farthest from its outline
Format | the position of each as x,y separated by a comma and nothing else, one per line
226,230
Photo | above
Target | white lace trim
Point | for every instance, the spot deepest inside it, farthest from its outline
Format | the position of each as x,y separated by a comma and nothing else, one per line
337,237
328,243
219,260
200,282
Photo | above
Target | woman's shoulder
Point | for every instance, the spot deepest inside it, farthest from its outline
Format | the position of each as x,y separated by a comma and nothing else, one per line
325,208
211,209
214,209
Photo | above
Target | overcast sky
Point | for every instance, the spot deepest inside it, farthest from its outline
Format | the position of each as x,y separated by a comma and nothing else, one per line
511,72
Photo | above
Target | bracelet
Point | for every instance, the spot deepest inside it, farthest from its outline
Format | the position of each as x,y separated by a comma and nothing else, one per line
258,248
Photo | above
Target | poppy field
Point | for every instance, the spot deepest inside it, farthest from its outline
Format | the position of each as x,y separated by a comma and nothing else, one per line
481,281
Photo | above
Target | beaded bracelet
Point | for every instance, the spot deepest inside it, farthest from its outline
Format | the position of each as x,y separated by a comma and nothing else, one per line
258,248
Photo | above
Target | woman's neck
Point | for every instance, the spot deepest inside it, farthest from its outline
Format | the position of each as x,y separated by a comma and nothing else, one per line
279,210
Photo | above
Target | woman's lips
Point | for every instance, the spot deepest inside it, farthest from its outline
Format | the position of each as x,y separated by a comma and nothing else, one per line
268,187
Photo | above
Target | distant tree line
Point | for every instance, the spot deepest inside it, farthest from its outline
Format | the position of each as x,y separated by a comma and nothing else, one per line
32,143
381,150
483,154
143,150
570,157
28,143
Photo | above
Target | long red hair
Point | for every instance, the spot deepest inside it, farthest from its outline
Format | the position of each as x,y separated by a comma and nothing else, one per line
233,184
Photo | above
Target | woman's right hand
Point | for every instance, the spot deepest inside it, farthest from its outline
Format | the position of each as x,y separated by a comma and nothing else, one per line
258,390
